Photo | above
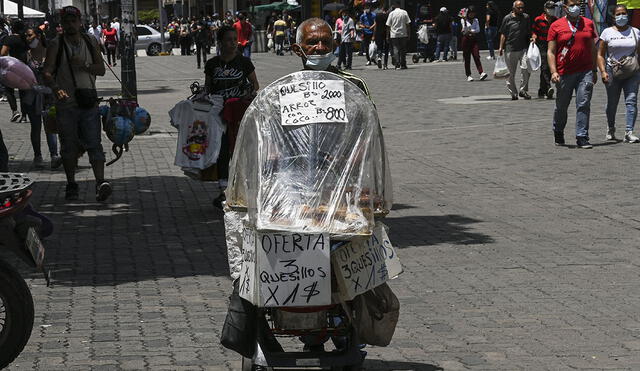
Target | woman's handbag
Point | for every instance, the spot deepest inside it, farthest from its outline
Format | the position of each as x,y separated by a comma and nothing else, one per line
625,67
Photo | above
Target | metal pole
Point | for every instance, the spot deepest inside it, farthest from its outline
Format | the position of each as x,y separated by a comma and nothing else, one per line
161,25
127,52
189,9
20,8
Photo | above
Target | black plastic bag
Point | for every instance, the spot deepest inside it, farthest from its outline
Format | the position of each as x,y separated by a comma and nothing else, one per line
239,329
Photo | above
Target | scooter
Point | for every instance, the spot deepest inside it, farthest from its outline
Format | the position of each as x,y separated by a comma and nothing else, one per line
21,230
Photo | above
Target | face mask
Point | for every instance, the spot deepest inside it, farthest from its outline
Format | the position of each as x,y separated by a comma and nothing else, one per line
34,43
319,62
622,20
573,11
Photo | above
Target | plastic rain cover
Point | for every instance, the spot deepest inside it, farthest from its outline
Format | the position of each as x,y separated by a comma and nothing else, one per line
329,177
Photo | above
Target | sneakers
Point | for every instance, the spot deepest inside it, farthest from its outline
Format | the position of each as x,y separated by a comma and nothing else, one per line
630,138
15,116
71,192
524,95
611,134
483,76
103,191
38,162
469,78
24,119
56,161
368,63
550,93
559,138
514,97
583,142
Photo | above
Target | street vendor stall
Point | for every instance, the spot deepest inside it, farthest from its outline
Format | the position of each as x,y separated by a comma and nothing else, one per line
309,183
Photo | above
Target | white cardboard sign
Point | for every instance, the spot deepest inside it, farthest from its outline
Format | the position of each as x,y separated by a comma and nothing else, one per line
312,102
286,269
364,264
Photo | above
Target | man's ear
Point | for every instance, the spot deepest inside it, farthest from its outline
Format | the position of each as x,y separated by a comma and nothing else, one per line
298,50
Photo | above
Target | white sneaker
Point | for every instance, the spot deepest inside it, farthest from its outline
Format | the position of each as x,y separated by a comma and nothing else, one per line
483,76
489,57
630,138
469,78
611,134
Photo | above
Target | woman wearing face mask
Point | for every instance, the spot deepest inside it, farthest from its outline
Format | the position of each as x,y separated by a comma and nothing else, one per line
619,41
232,76
470,31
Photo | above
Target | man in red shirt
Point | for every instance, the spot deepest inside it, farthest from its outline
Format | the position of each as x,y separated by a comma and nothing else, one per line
572,62
244,31
541,25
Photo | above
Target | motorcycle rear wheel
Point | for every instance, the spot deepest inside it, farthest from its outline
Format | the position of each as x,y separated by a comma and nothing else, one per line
16,314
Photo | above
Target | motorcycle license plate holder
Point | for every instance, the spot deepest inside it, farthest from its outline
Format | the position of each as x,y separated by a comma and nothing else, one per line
35,248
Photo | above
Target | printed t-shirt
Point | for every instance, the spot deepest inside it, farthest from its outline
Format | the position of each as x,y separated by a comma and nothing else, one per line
578,55
199,133
620,44
229,79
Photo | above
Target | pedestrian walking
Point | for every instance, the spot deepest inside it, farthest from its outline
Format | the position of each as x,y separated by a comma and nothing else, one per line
185,40
73,61
619,42
201,38
491,27
380,36
366,23
442,26
15,45
279,30
572,61
95,30
230,75
348,36
456,32
470,32
514,42
399,28
540,33
110,40
244,30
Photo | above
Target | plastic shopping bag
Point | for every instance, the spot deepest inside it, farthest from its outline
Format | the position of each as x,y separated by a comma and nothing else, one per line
423,34
534,57
270,44
501,70
373,49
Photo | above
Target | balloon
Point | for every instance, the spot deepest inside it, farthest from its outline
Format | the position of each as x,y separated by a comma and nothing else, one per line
15,74
120,130
141,120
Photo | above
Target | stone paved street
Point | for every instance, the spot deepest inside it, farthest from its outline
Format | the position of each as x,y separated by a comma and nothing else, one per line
518,255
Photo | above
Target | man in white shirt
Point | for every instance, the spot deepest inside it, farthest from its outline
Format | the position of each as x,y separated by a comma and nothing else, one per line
399,27
96,31
116,26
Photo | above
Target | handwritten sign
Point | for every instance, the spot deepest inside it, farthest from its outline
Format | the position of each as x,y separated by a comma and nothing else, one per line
247,287
293,269
312,102
361,265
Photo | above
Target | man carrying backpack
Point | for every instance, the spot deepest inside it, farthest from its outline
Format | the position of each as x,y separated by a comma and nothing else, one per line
72,64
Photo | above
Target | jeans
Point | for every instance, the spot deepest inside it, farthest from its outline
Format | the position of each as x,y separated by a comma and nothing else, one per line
36,129
490,33
4,156
582,83
614,88
443,45
346,54
453,47
80,128
400,46
366,40
513,60
382,45
245,50
470,48
201,50
545,73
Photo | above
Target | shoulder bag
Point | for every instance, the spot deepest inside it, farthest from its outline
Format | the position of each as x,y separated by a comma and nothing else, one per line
627,66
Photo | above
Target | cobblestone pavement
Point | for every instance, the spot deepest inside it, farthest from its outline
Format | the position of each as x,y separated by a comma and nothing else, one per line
518,255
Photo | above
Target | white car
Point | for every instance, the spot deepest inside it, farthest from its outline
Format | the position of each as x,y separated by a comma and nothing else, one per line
149,40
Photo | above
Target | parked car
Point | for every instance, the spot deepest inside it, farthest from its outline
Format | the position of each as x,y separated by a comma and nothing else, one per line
149,40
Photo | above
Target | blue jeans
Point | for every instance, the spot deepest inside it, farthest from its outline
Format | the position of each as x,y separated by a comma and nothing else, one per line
490,33
582,83
443,45
36,129
614,88
245,50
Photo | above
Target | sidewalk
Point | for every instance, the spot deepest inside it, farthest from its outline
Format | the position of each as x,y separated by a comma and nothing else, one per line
518,254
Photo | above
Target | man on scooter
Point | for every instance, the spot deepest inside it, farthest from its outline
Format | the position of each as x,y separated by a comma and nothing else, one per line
315,45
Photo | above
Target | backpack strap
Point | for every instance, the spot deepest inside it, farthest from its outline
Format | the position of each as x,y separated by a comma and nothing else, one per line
59,54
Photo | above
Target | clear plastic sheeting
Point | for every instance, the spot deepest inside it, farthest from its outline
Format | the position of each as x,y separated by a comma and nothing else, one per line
323,177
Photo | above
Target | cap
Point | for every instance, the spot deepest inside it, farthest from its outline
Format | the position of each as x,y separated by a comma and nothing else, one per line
549,4
70,10
443,9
